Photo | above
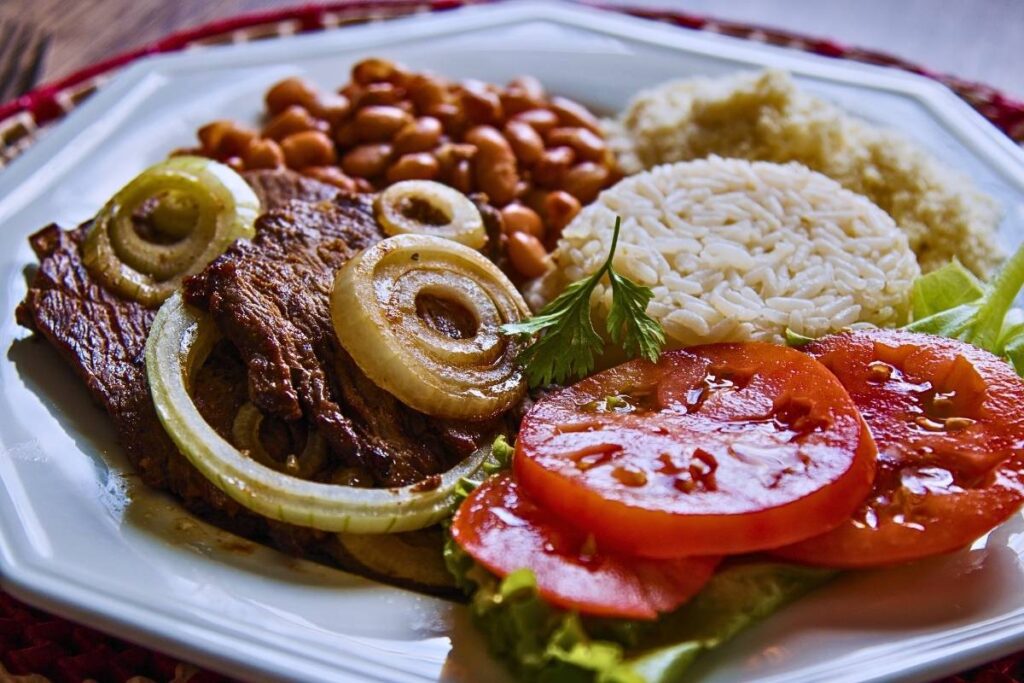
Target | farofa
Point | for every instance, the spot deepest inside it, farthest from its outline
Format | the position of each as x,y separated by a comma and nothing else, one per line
765,116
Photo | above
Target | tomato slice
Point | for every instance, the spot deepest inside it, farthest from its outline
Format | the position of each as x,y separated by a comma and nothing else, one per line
504,531
713,450
948,420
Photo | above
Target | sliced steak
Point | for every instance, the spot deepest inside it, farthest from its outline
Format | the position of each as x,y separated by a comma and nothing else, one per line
102,336
277,188
271,298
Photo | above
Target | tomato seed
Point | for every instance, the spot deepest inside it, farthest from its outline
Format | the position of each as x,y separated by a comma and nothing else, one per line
955,424
929,424
879,371
630,476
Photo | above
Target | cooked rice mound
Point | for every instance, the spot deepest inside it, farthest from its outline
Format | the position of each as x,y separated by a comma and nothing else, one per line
766,117
736,251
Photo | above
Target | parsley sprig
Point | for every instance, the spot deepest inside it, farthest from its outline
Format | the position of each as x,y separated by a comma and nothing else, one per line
568,343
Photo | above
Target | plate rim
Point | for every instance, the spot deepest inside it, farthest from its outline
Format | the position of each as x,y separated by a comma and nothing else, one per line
30,577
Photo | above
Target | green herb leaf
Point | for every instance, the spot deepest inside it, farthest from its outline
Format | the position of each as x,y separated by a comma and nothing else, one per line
629,326
567,344
986,321
796,339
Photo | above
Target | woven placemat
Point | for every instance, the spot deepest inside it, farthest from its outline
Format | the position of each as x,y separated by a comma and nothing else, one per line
36,647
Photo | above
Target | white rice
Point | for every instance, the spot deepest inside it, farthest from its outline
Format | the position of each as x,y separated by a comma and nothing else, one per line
736,251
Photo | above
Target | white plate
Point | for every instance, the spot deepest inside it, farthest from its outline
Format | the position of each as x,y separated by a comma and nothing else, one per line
79,537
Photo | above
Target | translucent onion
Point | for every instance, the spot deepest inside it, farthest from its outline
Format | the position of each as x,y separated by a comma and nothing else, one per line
423,207
374,308
197,208
179,342
246,433
416,557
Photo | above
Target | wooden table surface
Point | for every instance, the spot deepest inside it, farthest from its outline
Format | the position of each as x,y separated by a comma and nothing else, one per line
975,39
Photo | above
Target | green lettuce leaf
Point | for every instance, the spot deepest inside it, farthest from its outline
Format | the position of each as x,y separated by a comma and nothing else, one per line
737,596
544,644
1013,340
945,288
952,306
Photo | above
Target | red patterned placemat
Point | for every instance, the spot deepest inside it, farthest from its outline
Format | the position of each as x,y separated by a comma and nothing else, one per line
36,647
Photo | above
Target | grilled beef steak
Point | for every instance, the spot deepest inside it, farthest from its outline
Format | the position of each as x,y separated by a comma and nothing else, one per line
271,298
102,335
277,188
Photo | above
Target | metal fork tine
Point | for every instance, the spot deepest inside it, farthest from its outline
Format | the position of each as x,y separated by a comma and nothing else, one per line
34,65
6,44
15,46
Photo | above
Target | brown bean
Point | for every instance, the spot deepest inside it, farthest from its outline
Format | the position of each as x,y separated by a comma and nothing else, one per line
332,107
541,120
379,123
222,139
514,100
294,119
530,85
211,134
522,94
553,165
264,153
527,255
481,104
235,164
451,116
346,135
308,148
525,141
518,218
380,93
560,208
418,136
426,91
461,176
331,175
352,90
375,70
449,154
587,145
416,166
489,138
574,114
495,165
534,198
289,92
584,181
366,161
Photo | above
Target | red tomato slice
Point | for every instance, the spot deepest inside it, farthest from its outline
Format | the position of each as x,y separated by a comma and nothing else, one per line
713,450
948,420
505,531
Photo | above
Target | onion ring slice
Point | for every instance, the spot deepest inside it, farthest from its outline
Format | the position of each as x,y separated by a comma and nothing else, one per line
375,311
202,206
181,339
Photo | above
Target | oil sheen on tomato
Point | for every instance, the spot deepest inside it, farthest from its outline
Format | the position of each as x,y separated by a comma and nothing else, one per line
718,449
